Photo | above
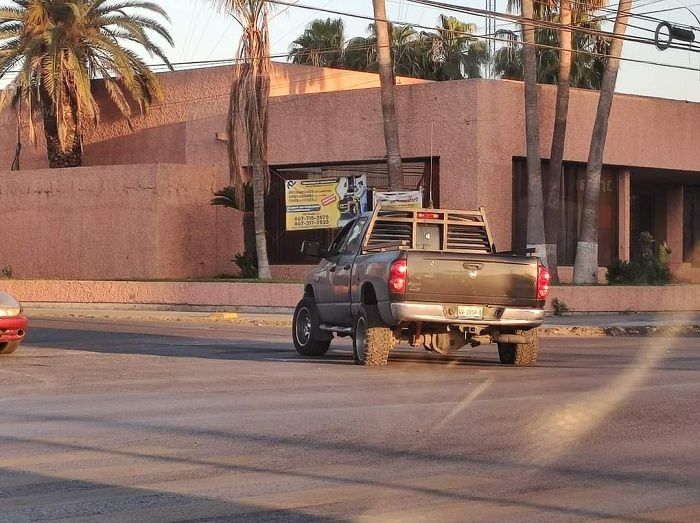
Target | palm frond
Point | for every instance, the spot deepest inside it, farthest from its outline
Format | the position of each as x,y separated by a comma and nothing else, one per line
62,46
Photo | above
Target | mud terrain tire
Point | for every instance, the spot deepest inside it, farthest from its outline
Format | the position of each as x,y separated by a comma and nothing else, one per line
372,341
520,354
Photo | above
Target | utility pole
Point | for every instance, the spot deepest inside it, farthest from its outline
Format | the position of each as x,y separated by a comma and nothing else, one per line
490,33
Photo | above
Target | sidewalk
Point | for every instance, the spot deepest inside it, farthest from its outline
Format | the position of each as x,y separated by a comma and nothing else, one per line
661,324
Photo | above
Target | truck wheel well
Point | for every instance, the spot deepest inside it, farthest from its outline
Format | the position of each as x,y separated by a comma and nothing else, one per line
369,296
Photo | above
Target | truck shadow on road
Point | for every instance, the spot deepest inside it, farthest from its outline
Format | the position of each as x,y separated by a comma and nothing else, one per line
252,345
277,348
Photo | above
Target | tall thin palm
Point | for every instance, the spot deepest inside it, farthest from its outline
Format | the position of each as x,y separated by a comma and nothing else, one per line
387,80
60,46
248,110
322,44
586,264
552,180
535,204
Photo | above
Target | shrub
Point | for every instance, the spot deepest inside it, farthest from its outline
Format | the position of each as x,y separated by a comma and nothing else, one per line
247,265
559,308
647,272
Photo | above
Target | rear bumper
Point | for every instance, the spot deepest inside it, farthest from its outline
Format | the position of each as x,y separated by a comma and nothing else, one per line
13,329
434,313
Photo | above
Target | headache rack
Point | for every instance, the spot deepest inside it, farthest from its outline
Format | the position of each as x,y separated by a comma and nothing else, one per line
430,230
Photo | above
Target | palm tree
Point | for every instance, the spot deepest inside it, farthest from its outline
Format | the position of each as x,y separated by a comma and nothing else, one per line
60,46
248,110
588,56
552,180
322,44
362,54
535,211
448,53
387,80
586,264
453,53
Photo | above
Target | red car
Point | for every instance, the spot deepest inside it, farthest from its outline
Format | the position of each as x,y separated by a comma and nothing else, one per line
13,326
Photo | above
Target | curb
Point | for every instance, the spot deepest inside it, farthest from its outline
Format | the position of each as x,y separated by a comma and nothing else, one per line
285,320
618,331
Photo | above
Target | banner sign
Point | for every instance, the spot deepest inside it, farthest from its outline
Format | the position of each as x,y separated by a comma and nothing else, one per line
325,203
399,199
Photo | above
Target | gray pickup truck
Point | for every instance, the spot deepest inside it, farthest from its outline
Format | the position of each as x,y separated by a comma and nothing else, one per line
429,277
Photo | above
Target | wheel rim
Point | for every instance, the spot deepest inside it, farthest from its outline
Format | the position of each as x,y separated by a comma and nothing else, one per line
303,326
360,334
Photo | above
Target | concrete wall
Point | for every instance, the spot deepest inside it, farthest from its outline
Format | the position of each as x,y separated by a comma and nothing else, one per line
672,298
166,134
138,221
475,127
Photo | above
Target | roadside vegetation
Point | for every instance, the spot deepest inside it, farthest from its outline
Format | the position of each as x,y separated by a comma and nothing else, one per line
59,47
248,112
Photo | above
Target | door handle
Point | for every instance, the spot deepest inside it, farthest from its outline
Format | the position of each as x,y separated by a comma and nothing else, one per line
347,267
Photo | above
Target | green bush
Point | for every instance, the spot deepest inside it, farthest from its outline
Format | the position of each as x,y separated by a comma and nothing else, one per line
247,264
559,308
646,272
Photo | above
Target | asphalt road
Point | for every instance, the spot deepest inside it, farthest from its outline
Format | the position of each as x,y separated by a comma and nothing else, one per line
105,421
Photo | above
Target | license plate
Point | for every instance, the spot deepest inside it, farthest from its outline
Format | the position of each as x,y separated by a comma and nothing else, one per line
470,312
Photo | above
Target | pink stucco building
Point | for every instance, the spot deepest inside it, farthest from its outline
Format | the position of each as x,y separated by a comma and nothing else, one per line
140,206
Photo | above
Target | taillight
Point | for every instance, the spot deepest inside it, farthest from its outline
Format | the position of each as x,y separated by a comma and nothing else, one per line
397,277
429,216
543,278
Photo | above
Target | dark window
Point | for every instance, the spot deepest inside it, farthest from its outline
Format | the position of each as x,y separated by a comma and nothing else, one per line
572,189
284,246
691,225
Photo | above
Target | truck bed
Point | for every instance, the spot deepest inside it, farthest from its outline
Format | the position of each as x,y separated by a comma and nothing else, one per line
455,278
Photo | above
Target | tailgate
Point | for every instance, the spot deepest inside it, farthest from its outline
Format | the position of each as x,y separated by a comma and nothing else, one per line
440,277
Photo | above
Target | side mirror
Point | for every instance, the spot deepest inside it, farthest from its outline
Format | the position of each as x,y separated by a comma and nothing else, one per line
313,250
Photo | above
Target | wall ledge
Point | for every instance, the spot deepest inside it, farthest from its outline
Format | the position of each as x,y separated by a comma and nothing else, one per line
245,296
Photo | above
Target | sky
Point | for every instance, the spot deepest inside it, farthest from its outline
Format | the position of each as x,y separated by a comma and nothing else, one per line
202,33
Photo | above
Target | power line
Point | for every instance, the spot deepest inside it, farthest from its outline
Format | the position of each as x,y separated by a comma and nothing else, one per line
534,23
482,12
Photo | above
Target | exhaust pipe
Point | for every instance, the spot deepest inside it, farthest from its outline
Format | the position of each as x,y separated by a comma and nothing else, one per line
509,338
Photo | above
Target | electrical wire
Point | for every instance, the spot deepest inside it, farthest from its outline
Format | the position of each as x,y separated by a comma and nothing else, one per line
514,18
533,23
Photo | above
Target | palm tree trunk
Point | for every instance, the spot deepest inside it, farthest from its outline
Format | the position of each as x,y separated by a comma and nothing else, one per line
586,265
259,191
535,216
552,182
386,77
58,156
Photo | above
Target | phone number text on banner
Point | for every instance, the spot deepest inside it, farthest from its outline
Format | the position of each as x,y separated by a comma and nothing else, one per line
324,203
